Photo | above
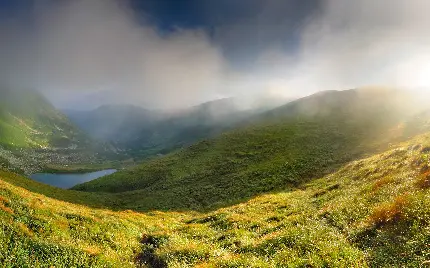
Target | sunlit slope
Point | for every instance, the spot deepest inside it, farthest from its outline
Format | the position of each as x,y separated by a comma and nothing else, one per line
373,212
37,231
27,119
34,136
282,150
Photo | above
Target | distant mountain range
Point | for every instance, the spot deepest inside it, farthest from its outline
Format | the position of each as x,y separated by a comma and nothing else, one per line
126,132
304,184
30,127
275,150
141,132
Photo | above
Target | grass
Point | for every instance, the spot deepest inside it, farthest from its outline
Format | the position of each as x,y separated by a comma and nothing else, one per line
372,212
44,232
27,119
85,168
240,164
298,190
340,220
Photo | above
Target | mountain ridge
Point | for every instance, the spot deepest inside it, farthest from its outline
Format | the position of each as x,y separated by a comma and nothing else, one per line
277,154
145,133
34,135
268,194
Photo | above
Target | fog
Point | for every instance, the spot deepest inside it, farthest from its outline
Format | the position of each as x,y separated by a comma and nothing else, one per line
76,49
367,42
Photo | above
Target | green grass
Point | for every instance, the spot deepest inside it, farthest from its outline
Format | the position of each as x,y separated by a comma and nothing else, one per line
373,212
36,231
85,168
12,135
283,150
27,119
35,136
299,189
237,165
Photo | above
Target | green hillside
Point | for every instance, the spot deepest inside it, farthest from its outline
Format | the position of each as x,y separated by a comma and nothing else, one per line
34,135
337,179
27,119
373,212
284,149
141,133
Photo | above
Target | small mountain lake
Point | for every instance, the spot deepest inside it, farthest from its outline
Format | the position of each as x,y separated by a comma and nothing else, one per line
68,180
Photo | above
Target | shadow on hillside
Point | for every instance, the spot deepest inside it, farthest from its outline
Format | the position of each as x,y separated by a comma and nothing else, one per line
179,200
183,197
99,200
138,201
184,200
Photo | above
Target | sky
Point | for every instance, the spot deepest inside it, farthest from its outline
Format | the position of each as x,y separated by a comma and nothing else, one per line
176,53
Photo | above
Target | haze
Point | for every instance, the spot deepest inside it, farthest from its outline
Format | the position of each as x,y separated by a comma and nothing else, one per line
70,50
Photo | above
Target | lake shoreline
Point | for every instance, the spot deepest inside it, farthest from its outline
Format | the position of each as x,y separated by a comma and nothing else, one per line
76,170
69,180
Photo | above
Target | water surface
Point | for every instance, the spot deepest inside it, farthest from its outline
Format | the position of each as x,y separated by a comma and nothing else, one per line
65,181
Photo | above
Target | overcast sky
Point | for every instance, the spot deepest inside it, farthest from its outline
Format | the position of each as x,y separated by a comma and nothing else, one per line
170,54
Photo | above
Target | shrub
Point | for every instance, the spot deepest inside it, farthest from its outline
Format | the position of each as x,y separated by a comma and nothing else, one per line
423,181
389,212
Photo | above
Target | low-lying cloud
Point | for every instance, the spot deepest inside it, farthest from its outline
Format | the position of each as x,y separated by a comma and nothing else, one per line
87,46
349,44
368,42
80,47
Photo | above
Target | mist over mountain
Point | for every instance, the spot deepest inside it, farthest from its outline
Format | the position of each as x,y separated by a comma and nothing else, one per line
28,119
274,150
34,135
73,49
202,133
145,132
90,101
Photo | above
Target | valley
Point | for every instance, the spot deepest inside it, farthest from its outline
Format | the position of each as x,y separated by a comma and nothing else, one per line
214,134
34,135
334,179
140,133
348,218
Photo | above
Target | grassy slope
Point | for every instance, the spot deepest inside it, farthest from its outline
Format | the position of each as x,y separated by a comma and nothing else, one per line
141,133
372,212
289,146
27,119
37,231
35,136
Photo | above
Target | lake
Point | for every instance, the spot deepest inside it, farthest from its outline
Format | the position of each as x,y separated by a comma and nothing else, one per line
69,180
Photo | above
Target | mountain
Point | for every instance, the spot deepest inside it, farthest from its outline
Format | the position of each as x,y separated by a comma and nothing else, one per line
287,148
114,123
370,212
141,133
27,119
35,135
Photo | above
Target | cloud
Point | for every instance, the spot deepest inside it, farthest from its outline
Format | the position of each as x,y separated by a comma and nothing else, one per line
357,43
342,45
84,46
79,47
